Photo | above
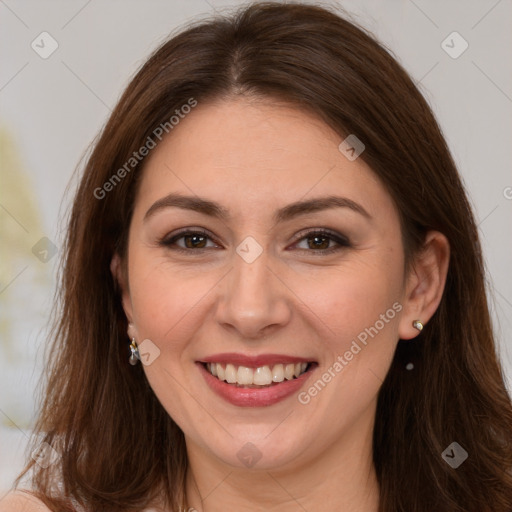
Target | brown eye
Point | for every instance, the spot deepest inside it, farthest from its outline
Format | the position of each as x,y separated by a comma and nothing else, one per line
320,242
192,240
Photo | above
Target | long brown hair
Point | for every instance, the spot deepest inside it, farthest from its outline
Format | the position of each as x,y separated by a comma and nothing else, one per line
118,447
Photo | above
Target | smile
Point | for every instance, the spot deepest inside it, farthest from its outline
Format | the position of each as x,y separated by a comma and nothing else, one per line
262,376
261,380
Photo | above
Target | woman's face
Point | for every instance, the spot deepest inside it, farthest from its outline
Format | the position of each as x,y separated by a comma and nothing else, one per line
259,287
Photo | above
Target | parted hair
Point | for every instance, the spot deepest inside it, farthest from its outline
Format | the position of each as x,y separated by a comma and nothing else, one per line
118,448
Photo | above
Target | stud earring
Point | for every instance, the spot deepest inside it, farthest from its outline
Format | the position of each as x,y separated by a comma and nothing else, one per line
417,325
135,352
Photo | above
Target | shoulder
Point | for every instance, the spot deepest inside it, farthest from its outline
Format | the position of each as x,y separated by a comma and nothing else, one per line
18,501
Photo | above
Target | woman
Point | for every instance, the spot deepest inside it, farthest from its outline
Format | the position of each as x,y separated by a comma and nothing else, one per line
273,293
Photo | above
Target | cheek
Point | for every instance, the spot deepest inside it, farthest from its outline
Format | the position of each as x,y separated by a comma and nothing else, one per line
339,302
356,315
166,301
346,301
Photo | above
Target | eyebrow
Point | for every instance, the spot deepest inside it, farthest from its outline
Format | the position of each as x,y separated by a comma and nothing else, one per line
288,212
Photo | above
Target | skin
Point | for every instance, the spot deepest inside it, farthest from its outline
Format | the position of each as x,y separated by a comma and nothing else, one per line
254,157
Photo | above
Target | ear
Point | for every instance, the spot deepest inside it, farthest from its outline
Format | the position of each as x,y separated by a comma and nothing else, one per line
425,283
116,268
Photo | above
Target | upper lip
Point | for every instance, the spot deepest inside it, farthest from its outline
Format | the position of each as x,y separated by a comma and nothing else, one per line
254,361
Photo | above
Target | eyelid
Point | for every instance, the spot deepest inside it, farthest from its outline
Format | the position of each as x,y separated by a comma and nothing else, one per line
338,238
322,231
167,239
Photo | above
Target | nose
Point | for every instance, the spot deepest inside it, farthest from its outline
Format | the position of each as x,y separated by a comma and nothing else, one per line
253,302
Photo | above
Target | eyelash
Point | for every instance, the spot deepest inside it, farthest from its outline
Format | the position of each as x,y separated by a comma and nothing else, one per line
342,241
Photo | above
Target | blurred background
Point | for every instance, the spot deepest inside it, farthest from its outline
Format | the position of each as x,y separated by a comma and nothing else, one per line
64,66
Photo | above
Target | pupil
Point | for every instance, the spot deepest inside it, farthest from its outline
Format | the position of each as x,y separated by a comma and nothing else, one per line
194,239
316,239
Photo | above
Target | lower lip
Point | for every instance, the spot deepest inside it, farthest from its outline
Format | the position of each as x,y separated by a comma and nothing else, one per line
254,397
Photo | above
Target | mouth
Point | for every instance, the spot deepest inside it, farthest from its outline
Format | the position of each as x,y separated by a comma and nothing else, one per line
259,377
255,380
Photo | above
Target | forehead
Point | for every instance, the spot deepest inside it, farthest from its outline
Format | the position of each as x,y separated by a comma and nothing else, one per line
252,154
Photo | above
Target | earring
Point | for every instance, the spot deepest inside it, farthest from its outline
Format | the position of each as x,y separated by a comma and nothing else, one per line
417,325
135,353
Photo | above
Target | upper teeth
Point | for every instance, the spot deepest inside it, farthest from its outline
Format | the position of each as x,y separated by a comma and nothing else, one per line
262,376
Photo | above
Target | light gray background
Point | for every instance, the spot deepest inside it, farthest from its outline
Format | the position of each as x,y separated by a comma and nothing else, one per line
52,109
